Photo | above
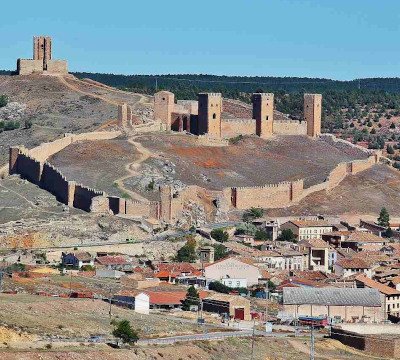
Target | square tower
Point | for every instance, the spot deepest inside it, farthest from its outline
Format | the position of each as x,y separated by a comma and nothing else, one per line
164,103
263,113
42,49
209,114
312,113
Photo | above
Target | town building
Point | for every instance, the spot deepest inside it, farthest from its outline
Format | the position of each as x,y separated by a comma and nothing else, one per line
317,253
390,297
77,259
135,300
354,240
233,269
307,229
348,267
348,304
235,307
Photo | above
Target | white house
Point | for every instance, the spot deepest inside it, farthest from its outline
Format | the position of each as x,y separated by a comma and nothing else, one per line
235,269
135,300
347,267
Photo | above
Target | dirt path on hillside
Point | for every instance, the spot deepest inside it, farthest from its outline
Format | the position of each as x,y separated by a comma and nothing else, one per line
143,98
75,88
133,169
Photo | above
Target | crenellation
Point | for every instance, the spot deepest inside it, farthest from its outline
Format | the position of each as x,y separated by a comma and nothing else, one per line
42,61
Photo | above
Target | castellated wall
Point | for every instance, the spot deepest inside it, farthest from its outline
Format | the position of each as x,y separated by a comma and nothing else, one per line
55,183
83,197
268,196
29,168
45,150
337,175
290,127
28,67
57,66
287,193
234,127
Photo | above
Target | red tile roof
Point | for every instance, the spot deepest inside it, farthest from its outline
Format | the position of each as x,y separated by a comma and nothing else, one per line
170,297
384,289
111,260
353,263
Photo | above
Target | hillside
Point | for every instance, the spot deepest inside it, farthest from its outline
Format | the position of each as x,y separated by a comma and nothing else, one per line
360,109
52,106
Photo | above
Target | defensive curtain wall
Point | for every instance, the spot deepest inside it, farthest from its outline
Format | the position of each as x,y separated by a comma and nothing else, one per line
205,117
32,165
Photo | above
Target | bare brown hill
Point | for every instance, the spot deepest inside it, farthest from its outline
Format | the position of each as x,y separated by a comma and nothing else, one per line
57,105
362,195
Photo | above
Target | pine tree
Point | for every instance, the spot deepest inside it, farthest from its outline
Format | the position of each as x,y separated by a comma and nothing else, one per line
192,298
384,218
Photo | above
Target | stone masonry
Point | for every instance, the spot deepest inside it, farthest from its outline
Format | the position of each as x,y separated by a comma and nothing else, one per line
42,61
263,113
312,113
209,114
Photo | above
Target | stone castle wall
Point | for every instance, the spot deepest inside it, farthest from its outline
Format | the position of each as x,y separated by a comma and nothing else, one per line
32,166
287,193
290,127
57,66
234,127
28,66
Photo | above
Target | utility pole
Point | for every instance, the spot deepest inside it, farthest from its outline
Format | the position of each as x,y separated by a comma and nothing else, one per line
252,339
109,300
312,344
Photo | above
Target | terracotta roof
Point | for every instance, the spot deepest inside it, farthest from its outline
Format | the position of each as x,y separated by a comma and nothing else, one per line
354,263
83,256
176,267
396,280
112,260
170,297
384,289
314,243
364,237
311,223
311,275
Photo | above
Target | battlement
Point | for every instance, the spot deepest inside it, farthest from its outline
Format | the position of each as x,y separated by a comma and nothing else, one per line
289,121
209,94
42,59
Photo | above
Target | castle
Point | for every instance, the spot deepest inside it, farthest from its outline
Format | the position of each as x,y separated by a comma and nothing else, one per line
205,116
42,61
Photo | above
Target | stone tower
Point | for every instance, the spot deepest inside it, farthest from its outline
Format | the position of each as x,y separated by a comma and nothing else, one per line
209,114
263,113
164,103
312,113
42,49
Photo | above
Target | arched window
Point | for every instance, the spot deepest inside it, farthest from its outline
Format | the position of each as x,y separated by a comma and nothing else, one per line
214,116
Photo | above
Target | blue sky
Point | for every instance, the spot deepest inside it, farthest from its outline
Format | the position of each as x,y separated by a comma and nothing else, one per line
338,39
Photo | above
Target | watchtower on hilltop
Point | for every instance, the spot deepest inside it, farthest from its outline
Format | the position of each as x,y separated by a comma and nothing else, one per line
42,49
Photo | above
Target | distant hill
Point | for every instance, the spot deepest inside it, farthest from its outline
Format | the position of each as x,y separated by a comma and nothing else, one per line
242,83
